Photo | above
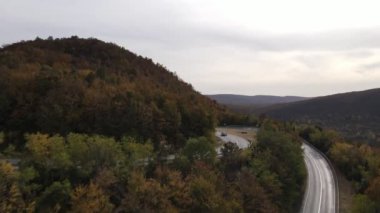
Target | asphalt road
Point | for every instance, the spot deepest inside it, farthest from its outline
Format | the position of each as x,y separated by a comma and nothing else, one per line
320,194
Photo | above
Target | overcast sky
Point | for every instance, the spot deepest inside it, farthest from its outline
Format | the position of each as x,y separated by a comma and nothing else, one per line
276,47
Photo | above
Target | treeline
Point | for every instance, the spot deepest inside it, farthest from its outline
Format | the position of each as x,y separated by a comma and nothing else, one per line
360,163
83,173
92,87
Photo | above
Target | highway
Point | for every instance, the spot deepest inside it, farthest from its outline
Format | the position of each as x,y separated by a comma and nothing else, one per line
321,191
320,194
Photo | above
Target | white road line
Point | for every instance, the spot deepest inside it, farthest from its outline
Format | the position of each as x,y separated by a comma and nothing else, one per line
321,190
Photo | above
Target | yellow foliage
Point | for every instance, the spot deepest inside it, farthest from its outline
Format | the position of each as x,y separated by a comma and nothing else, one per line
90,198
10,195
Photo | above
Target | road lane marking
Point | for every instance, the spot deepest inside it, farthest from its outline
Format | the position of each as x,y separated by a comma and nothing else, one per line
321,190
314,164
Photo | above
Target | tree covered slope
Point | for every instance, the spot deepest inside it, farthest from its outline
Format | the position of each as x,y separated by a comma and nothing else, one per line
355,114
89,86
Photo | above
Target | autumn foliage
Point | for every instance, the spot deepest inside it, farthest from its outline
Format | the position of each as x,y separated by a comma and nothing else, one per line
92,173
89,86
92,127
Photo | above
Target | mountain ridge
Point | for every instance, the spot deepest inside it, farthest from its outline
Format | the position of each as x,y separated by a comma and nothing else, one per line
355,114
234,99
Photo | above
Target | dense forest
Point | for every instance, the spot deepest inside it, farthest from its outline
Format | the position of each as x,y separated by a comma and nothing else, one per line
83,173
360,164
89,86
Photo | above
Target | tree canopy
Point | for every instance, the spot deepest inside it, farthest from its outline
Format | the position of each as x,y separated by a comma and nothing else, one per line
58,86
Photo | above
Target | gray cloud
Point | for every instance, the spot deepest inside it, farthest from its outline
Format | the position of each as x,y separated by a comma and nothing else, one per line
369,68
213,57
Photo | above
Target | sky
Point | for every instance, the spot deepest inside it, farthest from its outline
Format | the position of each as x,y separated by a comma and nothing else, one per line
272,47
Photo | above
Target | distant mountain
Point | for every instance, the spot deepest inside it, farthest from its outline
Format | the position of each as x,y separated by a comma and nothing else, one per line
247,104
355,114
259,100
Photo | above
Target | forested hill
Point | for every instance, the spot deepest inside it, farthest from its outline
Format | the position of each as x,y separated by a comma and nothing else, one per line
355,114
89,86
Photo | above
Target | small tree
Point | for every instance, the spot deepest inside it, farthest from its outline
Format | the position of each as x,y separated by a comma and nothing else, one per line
200,149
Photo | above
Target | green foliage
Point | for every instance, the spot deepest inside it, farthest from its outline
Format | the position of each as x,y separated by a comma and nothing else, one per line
135,151
349,160
284,180
91,153
48,152
362,204
323,139
55,197
232,160
199,149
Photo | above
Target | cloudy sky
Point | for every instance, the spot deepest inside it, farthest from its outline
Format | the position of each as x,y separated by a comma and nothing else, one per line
276,47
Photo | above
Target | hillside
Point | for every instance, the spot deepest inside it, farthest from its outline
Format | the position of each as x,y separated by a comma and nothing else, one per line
247,104
355,114
89,86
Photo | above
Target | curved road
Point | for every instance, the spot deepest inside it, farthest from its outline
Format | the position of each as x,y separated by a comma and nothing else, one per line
320,195
242,143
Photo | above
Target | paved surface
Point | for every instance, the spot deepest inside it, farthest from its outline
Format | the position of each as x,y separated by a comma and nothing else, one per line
242,143
239,141
320,195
